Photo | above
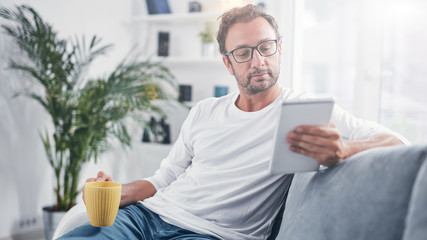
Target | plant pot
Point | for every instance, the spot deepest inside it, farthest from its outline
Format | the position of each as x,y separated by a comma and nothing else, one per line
208,49
51,219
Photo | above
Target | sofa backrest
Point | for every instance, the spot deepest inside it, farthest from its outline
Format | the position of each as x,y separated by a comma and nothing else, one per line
367,196
416,219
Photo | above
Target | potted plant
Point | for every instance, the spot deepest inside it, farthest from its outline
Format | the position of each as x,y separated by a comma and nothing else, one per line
208,40
86,113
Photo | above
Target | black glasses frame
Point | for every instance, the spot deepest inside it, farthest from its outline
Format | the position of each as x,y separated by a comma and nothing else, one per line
252,50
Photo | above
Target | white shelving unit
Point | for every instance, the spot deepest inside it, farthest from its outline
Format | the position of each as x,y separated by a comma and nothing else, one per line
179,17
184,43
185,58
199,61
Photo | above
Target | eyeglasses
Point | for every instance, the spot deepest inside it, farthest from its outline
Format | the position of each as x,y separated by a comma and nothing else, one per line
245,54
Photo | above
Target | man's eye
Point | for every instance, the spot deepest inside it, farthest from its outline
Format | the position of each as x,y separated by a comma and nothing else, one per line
242,53
265,48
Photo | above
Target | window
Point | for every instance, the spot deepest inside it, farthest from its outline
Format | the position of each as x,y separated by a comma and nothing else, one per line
370,55
404,79
327,45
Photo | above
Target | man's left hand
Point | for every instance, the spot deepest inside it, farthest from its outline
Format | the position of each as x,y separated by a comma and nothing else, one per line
321,143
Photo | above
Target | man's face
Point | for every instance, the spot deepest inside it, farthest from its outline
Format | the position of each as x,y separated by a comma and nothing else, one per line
260,73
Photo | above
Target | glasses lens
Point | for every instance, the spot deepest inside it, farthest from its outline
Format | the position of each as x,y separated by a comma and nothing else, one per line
267,48
242,54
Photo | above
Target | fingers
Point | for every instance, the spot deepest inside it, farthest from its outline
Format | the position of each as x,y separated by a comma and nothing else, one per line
102,176
324,158
91,180
325,132
313,143
309,136
321,143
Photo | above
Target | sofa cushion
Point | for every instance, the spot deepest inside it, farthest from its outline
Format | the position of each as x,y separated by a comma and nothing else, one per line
364,197
416,219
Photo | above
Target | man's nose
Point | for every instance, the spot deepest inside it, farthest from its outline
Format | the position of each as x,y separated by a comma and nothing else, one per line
257,59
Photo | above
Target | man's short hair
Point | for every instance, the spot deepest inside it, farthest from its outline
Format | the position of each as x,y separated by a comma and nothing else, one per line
241,15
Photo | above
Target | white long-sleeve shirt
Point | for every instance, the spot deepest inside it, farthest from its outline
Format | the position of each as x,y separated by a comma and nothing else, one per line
215,179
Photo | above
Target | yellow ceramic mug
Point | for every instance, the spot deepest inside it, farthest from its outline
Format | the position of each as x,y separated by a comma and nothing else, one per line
102,201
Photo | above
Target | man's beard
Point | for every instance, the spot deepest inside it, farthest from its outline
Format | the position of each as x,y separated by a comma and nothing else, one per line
252,89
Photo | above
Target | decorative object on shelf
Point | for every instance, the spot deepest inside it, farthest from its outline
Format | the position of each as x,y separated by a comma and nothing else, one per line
261,4
157,132
158,7
146,135
166,130
163,46
194,6
86,113
221,91
208,40
185,93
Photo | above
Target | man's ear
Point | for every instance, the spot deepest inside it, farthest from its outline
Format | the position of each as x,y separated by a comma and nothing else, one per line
228,64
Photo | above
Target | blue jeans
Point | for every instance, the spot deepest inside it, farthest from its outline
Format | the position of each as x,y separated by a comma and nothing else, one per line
135,222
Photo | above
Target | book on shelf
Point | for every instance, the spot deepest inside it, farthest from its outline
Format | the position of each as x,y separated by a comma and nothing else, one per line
185,93
163,44
158,7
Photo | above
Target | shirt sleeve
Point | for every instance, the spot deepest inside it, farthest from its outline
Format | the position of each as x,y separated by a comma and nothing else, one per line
178,159
353,128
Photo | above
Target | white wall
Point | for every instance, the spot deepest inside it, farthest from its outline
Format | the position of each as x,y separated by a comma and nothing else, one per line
24,173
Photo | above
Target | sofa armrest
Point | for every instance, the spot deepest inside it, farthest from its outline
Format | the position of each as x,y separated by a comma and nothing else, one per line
364,197
75,217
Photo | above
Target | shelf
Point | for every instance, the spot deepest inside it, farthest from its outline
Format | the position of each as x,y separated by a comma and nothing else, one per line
187,17
215,60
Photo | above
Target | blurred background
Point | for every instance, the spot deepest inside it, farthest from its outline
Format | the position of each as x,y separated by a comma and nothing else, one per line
369,54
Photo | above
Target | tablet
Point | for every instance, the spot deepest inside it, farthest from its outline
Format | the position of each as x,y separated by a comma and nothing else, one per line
292,114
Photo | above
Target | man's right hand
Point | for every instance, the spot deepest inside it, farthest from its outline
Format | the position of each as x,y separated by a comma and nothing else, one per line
131,192
101,176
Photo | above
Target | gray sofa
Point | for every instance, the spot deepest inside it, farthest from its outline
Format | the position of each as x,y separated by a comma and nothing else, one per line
377,194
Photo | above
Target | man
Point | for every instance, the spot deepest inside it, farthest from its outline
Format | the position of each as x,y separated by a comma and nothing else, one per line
215,183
